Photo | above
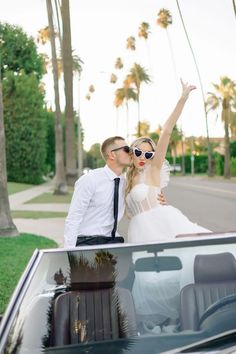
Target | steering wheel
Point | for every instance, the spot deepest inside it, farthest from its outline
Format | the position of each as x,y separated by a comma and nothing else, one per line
220,313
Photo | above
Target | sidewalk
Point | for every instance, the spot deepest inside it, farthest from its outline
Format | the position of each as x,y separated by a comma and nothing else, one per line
52,228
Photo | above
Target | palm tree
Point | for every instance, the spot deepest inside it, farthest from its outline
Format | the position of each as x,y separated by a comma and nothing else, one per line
164,20
119,64
88,97
224,98
137,76
77,69
91,88
60,178
57,6
130,43
210,170
123,95
234,6
7,227
144,128
176,136
144,30
113,78
71,172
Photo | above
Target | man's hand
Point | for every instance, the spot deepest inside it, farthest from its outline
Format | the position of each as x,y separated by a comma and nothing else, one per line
162,199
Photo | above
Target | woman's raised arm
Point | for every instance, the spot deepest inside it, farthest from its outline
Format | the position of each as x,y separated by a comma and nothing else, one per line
164,138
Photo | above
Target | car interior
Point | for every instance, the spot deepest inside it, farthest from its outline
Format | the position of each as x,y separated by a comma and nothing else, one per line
105,310
214,279
90,298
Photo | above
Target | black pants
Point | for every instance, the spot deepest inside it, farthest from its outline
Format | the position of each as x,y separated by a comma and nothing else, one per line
97,240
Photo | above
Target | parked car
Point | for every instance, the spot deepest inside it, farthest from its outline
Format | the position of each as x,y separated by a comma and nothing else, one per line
123,298
175,168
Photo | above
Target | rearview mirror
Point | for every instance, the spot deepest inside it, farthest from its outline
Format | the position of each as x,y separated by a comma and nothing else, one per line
158,264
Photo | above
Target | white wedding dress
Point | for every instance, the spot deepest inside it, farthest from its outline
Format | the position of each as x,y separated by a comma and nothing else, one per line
151,221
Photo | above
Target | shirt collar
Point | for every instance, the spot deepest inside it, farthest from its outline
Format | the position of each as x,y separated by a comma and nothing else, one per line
111,175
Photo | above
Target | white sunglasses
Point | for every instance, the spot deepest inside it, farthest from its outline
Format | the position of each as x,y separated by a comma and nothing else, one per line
146,154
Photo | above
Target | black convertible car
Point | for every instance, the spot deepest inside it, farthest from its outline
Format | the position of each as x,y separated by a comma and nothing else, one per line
143,298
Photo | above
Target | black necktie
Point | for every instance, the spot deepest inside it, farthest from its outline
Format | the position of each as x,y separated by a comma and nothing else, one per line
116,200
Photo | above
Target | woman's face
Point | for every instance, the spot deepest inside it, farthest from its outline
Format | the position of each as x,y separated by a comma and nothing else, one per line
142,155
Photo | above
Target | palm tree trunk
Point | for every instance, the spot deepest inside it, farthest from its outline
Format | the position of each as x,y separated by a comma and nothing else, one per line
7,227
139,125
234,6
71,173
225,117
59,180
80,148
173,60
117,121
174,157
80,141
127,121
210,169
182,157
57,7
177,90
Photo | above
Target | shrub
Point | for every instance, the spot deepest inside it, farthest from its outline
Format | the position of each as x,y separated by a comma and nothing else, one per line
233,166
25,128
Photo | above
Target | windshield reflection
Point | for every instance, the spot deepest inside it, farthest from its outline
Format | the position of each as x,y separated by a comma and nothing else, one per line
125,299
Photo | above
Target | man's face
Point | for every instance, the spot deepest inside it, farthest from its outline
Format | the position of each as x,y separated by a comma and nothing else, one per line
121,153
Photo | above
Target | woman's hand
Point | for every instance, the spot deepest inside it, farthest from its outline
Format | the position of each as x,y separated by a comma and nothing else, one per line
186,89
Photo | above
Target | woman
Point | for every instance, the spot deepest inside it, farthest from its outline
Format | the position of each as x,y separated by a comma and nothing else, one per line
147,175
151,221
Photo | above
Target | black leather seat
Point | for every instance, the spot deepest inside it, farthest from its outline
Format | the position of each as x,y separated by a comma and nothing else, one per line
215,279
93,315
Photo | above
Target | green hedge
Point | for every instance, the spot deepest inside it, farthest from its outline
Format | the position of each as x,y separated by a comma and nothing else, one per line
200,163
233,166
25,128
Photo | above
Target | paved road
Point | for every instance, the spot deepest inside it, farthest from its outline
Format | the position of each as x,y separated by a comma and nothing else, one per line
210,203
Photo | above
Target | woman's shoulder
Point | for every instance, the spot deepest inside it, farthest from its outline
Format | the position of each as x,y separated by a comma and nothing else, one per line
158,177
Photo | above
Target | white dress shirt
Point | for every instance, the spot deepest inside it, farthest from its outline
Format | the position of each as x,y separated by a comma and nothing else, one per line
91,209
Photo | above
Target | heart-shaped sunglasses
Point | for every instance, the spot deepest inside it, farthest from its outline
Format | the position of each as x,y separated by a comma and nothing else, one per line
147,154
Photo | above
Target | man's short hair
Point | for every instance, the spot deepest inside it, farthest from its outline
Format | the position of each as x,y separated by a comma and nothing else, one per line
108,145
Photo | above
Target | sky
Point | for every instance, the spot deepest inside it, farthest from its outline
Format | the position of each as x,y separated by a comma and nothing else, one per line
99,33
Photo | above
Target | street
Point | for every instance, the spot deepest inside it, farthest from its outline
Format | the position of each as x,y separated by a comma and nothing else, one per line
209,202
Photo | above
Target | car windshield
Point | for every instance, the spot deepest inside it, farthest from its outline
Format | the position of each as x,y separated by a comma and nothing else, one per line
125,299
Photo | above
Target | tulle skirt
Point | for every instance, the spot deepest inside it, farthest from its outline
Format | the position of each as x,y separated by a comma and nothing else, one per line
161,223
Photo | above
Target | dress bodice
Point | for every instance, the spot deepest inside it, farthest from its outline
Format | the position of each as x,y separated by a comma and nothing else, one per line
142,197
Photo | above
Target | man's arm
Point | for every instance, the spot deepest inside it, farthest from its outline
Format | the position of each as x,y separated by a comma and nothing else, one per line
84,189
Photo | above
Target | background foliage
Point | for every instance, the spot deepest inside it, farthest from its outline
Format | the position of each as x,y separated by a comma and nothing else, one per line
25,116
25,128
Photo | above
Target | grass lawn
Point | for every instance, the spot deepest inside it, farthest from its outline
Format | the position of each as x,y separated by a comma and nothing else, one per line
51,198
28,214
13,187
15,252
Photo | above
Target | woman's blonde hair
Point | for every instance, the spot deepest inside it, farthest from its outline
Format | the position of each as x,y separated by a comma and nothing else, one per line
131,172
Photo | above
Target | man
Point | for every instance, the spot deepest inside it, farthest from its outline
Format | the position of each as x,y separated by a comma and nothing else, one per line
92,207
91,210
